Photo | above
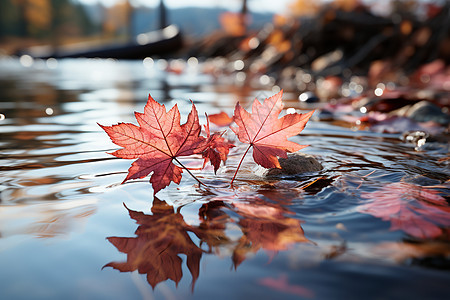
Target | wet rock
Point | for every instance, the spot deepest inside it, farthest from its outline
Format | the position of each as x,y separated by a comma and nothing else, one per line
425,111
295,163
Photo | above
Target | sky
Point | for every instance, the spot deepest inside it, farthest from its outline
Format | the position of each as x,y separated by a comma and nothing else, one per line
273,6
278,6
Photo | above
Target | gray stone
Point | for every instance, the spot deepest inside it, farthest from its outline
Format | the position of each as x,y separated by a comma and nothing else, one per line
295,163
424,111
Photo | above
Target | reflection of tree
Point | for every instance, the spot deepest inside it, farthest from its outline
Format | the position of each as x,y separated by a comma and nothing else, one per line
162,236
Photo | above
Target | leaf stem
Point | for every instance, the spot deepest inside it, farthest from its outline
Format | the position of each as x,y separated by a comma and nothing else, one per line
190,173
240,162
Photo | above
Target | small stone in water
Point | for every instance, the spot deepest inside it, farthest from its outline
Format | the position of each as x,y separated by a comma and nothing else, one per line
296,163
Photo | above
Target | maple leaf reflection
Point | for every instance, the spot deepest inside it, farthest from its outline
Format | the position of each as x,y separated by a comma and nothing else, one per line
154,251
265,227
416,210
163,235
262,217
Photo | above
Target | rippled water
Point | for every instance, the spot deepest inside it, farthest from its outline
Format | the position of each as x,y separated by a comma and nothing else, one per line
69,229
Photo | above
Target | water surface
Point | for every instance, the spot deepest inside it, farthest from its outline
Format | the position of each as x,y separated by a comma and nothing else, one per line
69,229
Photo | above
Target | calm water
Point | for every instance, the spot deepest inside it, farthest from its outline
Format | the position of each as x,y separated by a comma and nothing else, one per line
304,237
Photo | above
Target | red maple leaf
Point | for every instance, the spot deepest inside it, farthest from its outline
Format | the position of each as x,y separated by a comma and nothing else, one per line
217,148
416,210
266,133
157,142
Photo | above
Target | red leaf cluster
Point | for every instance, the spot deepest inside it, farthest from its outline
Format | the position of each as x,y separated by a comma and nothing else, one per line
163,237
160,140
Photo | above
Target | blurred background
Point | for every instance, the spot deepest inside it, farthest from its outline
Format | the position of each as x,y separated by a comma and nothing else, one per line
31,22
324,37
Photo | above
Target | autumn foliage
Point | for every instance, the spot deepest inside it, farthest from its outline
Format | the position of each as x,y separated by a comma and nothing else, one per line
160,140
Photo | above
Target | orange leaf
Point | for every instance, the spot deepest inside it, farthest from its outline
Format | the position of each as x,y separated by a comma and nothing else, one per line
221,119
